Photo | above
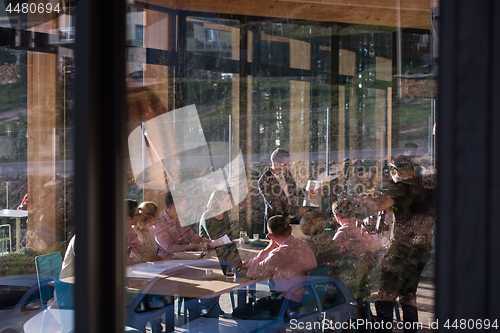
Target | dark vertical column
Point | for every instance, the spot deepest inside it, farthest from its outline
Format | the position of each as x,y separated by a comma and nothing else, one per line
395,97
494,84
180,87
244,121
467,245
99,181
257,113
315,92
334,84
172,46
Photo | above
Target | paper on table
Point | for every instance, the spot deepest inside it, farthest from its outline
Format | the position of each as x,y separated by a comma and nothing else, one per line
187,255
221,241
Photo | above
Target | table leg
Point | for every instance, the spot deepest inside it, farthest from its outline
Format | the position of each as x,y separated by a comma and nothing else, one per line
18,233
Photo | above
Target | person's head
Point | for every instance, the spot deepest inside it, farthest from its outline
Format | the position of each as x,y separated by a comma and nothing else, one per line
312,224
401,167
171,207
280,159
343,209
410,149
169,201
132,211
149,212
219,202
279,228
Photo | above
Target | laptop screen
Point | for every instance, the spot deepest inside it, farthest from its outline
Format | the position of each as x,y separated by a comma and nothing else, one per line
229,253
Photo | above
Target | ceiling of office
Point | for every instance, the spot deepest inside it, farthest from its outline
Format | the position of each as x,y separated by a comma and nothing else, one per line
412,13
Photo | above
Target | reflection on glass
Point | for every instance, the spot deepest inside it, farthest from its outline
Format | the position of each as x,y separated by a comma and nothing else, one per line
212,96
212,92
36,160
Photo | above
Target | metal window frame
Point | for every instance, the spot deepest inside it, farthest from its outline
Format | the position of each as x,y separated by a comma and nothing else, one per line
99,172
466,275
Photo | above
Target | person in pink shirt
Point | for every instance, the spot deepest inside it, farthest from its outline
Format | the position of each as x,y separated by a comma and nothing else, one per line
285,256
357,249
169,233
138,251
350,239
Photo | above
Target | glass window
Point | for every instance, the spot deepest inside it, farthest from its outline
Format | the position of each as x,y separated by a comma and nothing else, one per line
329,295
11,295
303,302
258,137
37,78
213,93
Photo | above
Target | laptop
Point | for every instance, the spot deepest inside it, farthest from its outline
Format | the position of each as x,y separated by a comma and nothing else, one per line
229,253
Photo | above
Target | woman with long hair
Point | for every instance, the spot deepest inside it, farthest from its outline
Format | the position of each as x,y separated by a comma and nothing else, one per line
144,229
215,221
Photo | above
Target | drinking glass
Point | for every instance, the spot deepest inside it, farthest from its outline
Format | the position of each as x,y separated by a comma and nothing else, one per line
243,234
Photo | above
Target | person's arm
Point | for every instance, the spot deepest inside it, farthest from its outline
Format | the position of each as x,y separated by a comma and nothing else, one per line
263,185
191,237
166,243
265,263
376,204
138,249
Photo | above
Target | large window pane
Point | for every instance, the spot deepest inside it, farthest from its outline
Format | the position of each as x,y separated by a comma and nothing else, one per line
37,161
212,93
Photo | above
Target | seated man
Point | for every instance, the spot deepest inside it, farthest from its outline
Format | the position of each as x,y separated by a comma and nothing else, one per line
350,239
357,249
324,248
169,233
285,256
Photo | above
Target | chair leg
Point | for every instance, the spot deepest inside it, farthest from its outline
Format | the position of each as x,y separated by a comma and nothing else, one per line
231,295
368,313
396,309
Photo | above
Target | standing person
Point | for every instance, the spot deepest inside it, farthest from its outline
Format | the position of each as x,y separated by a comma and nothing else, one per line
277,187
410,250
169,233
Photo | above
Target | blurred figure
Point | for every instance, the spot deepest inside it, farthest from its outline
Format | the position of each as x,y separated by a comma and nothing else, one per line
169,233
145,225
411,248
285,256
278,188
140,232
357,249
350,239
411,152
320,242
219,222
24,203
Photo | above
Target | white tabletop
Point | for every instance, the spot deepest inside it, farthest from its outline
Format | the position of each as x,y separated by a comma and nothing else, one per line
13,213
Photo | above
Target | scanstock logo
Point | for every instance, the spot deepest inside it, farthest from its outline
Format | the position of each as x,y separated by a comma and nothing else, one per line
171,149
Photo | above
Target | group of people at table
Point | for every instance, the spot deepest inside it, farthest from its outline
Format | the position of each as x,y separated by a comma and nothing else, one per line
349,252
153,238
